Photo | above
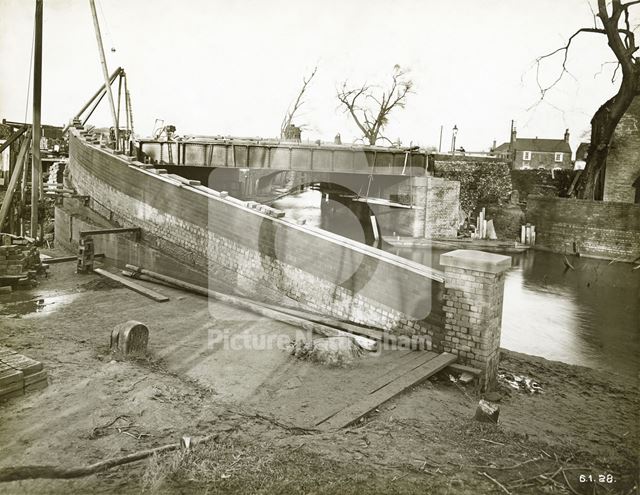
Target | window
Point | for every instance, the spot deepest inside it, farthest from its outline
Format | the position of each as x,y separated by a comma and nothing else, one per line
559,157
526,156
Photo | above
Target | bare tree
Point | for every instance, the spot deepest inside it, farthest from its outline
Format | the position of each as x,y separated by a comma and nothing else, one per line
293,109
613,23
369,109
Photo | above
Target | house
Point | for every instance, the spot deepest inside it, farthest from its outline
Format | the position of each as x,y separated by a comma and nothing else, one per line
532,153
622,176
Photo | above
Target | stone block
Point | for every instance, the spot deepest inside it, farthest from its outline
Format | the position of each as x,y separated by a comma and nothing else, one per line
130,337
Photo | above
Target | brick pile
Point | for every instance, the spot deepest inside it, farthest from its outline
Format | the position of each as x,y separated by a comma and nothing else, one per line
19,374
19,263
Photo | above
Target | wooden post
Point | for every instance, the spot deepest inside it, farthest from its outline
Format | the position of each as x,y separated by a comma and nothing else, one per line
100,93
119,104
105,72
13,137
15,177
36,168
93,108
127,98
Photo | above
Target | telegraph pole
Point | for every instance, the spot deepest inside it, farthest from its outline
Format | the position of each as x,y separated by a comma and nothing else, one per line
36,163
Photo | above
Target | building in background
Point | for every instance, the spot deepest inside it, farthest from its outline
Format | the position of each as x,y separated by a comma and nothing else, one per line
533,153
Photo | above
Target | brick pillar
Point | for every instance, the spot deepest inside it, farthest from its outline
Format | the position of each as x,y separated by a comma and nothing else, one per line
441,208
473,294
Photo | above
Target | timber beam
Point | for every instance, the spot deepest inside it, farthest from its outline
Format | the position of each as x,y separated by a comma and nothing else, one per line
13,137
123,230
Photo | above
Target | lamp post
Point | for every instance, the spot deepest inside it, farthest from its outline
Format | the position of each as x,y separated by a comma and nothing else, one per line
454,133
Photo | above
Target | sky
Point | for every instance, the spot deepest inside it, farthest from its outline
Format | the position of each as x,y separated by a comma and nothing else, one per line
233,67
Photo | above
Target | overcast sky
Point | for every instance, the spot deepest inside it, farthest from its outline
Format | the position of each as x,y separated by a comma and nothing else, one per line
233,67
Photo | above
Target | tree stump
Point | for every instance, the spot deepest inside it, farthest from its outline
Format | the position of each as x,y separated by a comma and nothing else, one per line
487,412
130,337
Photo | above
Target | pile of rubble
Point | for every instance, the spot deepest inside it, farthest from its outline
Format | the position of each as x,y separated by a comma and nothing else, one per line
19,263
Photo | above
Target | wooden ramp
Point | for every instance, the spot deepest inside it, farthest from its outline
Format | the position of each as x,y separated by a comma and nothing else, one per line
412,371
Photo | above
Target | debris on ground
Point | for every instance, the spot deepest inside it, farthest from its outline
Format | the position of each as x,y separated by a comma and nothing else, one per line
519,382
487,412
19,262
331,351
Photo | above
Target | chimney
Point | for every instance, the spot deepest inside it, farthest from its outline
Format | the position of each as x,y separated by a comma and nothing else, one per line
566,136
494,145
513,137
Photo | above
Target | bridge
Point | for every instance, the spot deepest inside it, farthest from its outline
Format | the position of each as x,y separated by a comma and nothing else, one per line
392,184
280,155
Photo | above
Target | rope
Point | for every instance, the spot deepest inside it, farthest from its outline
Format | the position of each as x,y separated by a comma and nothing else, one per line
106,25
33,42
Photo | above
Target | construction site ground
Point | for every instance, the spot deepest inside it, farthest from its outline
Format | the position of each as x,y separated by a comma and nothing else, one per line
262,404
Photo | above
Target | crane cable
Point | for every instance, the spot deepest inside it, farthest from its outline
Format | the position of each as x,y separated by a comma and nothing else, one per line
33,42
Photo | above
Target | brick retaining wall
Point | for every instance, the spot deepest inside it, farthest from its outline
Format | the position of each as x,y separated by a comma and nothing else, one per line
329,274
318,270
591,228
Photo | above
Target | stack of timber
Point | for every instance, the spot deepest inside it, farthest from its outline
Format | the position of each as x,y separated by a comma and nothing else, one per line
19,374
19,263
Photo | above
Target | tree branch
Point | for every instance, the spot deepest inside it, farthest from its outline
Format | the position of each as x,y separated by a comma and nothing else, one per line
288,118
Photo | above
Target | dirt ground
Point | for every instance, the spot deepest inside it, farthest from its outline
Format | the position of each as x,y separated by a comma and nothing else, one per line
580,435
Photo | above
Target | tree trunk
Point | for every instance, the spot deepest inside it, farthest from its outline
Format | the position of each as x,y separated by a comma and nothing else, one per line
603,124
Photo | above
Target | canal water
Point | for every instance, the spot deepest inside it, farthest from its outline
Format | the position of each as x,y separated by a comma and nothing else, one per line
589,315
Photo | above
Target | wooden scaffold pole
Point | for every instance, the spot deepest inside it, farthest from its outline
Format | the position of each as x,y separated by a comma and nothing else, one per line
36,163
105,71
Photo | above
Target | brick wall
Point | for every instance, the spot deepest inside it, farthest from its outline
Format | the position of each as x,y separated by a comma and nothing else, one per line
592,228
442,208
623,162
260,254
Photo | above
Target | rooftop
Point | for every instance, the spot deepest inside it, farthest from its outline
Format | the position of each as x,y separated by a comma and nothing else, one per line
537,145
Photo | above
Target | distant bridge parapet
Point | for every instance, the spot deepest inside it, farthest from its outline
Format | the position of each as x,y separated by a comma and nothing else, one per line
279,155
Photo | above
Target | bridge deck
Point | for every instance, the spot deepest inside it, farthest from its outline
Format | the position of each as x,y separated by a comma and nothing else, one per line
287,156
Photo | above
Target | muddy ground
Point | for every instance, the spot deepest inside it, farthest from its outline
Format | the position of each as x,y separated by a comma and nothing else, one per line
580,435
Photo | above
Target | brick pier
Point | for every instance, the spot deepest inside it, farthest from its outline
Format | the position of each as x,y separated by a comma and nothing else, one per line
473,295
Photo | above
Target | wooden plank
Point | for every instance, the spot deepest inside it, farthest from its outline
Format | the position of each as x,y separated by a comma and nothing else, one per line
408,363
64,259
417,342
368,403
120,230
183,180
461,368
243,303
151,294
